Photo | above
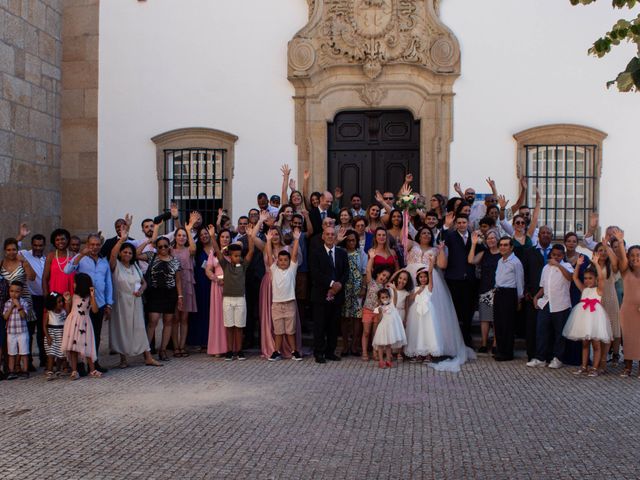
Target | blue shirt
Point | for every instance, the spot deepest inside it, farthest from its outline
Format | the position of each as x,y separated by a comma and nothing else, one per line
510,274
100,274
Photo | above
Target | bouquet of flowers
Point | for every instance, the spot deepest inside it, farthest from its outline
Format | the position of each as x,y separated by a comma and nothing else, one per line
411,203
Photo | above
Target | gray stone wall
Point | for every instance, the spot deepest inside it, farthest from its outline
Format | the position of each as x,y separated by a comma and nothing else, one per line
30,94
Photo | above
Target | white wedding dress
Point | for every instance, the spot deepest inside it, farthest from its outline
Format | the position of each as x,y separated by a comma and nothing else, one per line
448,337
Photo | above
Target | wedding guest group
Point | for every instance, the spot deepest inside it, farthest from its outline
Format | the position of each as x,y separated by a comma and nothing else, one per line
394,279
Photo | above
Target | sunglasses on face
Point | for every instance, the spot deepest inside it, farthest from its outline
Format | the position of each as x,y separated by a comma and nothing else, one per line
519,223
159,247
388,198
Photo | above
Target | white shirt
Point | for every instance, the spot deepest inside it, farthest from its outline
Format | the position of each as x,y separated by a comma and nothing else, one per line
510,274
283,282
37,263
556,288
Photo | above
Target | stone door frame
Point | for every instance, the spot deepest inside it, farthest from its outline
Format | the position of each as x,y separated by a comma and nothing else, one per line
326,86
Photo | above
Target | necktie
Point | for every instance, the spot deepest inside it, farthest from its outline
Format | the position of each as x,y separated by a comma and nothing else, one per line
331,258
545,255
323,215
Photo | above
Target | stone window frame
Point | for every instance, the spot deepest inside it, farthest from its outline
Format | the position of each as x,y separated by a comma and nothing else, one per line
198,137
563,134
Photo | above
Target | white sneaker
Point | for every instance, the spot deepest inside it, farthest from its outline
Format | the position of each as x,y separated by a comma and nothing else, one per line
555,363
536,363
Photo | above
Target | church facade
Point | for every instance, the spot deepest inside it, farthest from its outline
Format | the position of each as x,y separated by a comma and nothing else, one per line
201,101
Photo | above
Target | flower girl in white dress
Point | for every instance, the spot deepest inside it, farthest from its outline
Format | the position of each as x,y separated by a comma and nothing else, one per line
390,332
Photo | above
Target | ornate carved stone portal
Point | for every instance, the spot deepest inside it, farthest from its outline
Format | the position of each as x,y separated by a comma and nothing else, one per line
382,54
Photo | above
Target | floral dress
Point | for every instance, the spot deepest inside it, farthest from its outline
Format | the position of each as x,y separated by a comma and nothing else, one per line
352,307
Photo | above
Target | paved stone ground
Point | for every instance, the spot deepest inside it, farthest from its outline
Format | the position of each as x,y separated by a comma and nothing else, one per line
201,417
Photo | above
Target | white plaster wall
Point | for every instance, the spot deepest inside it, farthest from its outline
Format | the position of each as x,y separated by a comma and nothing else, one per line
524,64
167,64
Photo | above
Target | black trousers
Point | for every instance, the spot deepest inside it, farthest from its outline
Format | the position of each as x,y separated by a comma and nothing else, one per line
531,322
505,307
463,294
36,330
96,322
252,295
326,325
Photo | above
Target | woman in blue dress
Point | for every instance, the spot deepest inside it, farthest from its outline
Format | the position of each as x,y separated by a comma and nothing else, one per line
199,321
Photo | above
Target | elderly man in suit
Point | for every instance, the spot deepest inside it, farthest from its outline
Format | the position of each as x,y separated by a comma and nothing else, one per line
329,268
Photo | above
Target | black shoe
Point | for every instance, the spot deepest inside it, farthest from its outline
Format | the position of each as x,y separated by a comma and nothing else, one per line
483,350
494,351
320,359
100,368
241,355
12,376
82,370
24,375
228,356
274,357
296,356
503,359
333,357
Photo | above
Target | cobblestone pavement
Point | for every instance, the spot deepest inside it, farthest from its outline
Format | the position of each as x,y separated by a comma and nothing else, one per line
202,417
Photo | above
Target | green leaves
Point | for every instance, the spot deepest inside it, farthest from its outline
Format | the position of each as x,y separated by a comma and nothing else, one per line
622,31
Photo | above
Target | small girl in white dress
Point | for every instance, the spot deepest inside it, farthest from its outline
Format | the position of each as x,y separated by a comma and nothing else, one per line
422,338
588,320
401,285
390,332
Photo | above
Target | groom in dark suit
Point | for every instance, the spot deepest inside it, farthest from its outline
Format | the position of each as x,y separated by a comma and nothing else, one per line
329,269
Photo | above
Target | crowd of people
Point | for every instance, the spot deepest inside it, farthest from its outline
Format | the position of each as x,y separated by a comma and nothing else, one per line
396,284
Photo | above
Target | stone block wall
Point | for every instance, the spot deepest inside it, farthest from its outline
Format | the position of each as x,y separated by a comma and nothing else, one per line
80,115
30,116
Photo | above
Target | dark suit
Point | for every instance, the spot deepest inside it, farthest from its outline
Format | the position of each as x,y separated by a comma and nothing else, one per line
316,219
326,314
461,279
533,262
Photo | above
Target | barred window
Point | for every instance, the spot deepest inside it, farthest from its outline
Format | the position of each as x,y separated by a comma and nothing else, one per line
564,162
565,176
194,180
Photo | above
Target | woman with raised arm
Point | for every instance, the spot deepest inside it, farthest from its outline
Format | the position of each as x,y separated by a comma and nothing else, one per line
487,259
164,289
343,225
285,215
199,322
127,332
217,341
184,249
14,267
522,235
274,238
422,255
629,266
608,263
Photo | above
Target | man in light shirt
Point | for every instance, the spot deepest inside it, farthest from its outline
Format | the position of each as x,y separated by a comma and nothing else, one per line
506,302
553,302
36,259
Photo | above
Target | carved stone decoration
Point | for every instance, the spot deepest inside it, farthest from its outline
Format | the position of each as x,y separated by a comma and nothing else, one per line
375,33
402,45
372,94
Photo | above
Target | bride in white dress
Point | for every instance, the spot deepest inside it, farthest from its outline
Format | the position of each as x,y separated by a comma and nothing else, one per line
421,255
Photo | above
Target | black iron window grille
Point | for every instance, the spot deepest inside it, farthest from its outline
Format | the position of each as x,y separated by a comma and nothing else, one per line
565,176
194,179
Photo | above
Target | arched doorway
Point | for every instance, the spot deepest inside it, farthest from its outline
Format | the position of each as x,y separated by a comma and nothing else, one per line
372,150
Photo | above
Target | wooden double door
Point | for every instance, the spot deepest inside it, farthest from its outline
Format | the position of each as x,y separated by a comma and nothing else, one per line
372,150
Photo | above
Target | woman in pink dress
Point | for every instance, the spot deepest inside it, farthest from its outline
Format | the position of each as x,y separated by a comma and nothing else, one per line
217,344
184,248
53,278
267,342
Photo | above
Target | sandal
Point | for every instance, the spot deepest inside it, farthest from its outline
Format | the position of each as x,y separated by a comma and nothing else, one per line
593,373
95,374
389,364
162,356
154,363
580,371
123,364
74,375
50,375
177,353
381,364
626,372
365,357
184,353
